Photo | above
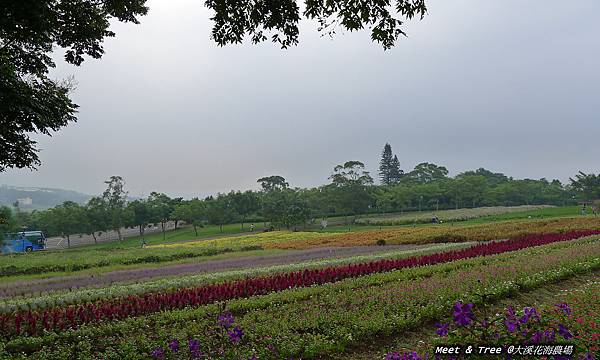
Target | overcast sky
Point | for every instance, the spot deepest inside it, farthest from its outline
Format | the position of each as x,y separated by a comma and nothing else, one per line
512,86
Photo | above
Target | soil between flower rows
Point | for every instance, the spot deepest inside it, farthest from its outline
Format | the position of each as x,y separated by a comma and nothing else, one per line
26,287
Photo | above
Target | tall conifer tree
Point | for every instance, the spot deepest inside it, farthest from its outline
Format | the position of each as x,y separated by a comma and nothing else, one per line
395,171
385,165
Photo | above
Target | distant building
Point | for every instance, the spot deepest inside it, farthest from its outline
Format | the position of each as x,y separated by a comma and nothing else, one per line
25,201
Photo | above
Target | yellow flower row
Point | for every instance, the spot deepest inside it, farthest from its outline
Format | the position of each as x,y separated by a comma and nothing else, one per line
260,239
443,233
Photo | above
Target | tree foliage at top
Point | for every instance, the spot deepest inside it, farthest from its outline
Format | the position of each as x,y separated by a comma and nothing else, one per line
31,102
278,20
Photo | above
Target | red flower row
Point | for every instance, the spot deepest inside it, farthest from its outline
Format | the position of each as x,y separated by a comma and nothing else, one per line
70,317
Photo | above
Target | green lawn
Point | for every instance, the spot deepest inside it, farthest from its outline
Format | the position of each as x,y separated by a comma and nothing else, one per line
553,212
561,211
181,234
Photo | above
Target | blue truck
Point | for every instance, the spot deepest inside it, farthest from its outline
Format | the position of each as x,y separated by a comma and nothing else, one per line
23,242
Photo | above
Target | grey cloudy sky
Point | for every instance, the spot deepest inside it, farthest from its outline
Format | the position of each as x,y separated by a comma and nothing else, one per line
512,85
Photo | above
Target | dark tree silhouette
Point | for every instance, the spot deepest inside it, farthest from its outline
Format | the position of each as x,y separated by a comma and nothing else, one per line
278,20
30,102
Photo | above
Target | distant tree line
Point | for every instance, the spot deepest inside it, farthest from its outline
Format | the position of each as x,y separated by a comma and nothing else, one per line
351,191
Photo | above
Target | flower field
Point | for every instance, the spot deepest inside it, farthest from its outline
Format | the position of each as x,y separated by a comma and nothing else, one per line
446,215
96,259
317,320
76,296
444,233
310,309
71,317
78,259
572,323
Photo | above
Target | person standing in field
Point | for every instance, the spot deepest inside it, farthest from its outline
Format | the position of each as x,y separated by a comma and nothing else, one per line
251,227
323,224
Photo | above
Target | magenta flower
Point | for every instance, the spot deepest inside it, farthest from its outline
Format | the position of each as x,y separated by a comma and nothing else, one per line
407,356
511,326
462,313
442,329
524,319
412,356
537,337
235,335
529,313
194,346
158,353
226,320
564,332
564,307
174,345
586,356
532,313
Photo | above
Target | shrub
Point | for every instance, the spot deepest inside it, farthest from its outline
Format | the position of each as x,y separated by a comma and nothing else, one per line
251,248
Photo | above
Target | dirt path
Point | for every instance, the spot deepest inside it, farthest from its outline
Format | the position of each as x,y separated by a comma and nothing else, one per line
35,286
